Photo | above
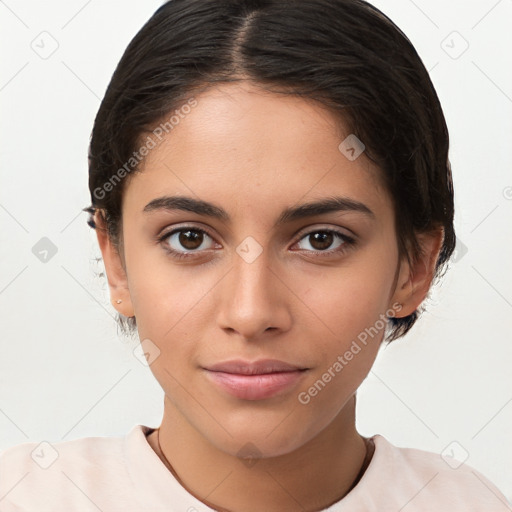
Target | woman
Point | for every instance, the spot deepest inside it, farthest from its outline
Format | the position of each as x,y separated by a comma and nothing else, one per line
273,200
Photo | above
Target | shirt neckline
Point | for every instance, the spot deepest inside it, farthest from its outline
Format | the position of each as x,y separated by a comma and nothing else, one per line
157,489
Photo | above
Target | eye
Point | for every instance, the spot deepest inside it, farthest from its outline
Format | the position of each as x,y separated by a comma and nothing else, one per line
188,241
322,240
184,242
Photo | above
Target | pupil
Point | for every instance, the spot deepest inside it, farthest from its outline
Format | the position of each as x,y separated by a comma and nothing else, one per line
324,238
188,239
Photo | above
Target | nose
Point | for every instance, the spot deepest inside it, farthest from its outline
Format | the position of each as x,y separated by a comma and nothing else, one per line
253,299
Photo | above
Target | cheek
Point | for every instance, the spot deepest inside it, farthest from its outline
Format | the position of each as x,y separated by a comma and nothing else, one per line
165,296
349,308
167,304
349,300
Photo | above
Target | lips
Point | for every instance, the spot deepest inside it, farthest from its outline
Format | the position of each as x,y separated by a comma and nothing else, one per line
256,380
263,366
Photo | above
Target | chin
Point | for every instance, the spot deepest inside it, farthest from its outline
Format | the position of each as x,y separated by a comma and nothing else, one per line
256,439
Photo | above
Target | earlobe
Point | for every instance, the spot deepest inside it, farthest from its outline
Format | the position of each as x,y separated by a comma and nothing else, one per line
415,278
116,274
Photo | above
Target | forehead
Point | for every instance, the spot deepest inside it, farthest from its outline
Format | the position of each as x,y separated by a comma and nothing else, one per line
245,147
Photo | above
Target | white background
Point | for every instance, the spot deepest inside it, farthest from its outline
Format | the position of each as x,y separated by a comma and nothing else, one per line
64,372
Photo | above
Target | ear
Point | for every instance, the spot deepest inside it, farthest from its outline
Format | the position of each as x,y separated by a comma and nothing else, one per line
114,268
414,280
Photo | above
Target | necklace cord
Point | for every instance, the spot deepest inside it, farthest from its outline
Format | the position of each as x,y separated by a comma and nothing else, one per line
370,448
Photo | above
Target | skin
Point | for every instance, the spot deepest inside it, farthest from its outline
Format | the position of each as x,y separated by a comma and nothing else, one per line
254,154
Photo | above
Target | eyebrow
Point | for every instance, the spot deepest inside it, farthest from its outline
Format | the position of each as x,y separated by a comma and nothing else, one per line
326,205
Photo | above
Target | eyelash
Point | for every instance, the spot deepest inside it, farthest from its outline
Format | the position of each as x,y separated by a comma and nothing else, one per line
348,242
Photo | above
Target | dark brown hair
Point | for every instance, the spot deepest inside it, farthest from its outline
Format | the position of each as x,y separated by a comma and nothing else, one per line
345,54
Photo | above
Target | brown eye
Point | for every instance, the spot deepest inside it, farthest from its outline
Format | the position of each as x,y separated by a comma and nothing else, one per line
190,239
186,240
321,240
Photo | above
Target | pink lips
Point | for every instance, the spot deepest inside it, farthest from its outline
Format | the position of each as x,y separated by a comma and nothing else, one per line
257,380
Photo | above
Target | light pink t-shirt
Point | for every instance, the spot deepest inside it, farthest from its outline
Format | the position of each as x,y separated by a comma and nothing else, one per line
124,474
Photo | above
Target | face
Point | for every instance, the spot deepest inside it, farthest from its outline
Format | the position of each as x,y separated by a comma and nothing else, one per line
250,284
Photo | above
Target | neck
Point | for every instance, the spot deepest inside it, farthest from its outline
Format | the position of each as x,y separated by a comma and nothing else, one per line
312,477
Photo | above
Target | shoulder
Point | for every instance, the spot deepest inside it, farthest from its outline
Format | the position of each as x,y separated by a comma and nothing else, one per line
37,474
426,481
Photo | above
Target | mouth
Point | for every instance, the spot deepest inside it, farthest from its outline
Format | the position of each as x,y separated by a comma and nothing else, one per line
255,380
261,367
